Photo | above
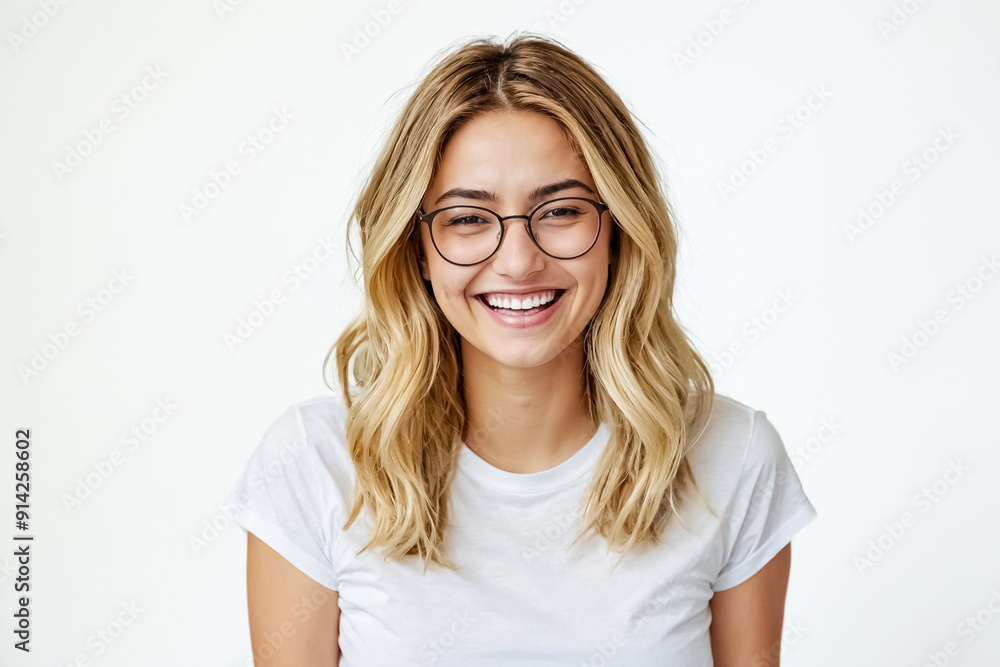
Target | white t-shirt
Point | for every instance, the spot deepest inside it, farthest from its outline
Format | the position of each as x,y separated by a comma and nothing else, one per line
521,597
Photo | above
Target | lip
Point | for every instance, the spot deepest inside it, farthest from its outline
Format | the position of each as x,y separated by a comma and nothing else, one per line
531,290
522,321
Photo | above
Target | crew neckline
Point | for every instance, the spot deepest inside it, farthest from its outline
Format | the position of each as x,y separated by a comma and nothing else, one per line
535,482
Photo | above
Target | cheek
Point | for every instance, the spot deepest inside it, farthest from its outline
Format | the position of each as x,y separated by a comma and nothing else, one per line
449,290
449,285
594,283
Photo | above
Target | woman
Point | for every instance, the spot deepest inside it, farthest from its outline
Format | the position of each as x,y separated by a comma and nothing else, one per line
526,463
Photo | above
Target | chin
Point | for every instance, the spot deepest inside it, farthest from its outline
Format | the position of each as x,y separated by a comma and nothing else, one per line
531,356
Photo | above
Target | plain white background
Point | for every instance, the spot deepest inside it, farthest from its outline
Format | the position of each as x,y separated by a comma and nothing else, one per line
871,345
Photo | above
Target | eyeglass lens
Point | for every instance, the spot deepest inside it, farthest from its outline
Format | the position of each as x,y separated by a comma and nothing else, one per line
564,228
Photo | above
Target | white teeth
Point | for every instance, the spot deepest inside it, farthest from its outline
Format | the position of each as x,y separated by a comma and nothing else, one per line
521,303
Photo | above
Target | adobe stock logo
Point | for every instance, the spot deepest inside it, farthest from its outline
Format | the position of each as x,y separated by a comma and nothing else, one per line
249,148
929,496
104,468
433,648
968,629
805,452
266,306
121,108
752,330
88,310
785,128
899,16
30,27
915,166
381,18
712,30
928,328
223,7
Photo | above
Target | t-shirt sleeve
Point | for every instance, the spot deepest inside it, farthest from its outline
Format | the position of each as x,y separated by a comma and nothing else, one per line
279,499
769,506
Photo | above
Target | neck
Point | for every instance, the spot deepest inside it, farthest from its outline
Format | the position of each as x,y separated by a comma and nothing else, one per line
525,420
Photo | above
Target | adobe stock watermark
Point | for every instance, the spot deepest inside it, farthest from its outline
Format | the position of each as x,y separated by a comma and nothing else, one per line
752,330
968,629
544,538
657,603
563,11
495,420
892,532
606,650
914,167
120,109
791,634
101,639
898,17
33,24
131,440
432,649
223,7
212,530
247,151
712,29
257,478
757,500
273,639
807,451
928,328
785,127
88,310
363,35
265,307
8,568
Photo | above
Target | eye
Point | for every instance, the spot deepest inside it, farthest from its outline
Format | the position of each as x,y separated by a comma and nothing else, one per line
561,212
467,220
462,216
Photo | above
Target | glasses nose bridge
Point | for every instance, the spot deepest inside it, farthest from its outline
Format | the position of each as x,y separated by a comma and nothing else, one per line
504,228
503,224
505,218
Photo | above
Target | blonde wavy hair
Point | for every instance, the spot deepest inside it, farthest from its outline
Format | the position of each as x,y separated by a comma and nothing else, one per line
406,411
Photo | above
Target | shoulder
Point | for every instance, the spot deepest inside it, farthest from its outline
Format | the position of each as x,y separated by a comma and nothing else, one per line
728,431
322,416
320,421
317,420
738,439
307,443
291,493
752,483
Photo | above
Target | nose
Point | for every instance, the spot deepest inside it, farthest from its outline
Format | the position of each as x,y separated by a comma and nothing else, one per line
518,256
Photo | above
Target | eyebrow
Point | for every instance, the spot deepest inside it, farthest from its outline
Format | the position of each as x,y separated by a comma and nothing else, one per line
534,195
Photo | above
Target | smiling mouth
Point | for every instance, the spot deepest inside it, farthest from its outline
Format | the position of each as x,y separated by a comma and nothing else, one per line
525,311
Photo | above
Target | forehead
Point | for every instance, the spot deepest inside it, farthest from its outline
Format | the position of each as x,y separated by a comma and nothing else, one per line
508,152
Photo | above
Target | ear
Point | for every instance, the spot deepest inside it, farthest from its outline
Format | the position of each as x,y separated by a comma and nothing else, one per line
422,260
417,239
424,271
614,239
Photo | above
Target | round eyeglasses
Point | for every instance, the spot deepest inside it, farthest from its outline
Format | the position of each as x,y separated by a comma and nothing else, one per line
564,228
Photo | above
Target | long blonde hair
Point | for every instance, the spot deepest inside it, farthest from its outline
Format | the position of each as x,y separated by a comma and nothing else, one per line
406,411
